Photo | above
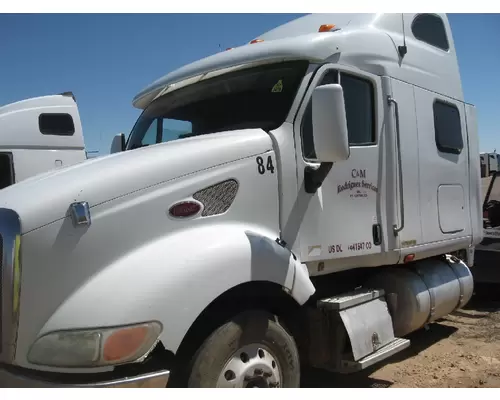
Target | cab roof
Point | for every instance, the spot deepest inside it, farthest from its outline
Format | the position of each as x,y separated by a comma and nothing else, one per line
369,42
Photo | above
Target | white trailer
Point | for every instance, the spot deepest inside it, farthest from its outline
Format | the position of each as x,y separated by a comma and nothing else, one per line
299,200
38,135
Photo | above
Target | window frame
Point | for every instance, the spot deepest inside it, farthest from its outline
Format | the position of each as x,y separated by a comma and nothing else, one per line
441,149
419,38
51,133
316,80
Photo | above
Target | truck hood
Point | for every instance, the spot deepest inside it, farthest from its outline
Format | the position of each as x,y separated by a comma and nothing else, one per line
46,198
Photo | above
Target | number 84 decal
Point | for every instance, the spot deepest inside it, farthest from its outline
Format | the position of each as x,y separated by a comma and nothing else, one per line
269,166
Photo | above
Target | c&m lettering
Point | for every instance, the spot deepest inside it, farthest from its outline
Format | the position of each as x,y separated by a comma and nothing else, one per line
358,173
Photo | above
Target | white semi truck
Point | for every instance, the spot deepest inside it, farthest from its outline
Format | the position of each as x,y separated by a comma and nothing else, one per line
301,200
37,135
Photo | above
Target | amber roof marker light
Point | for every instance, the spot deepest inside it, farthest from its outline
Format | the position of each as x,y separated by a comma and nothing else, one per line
328,28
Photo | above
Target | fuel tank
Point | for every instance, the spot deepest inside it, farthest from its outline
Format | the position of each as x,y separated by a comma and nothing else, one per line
424,292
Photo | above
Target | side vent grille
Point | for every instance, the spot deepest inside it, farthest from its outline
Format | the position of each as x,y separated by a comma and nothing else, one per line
217,199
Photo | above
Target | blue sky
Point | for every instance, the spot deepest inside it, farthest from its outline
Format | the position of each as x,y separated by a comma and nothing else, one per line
106,59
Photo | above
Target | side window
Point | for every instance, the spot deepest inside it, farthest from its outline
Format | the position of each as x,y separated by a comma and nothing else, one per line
359,107
447,128
430,29
56,124
306,127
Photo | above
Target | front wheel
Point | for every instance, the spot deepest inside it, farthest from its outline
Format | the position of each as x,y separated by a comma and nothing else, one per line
252,350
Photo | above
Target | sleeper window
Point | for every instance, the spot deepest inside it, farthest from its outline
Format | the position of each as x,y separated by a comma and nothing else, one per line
447,129
56,124
430,29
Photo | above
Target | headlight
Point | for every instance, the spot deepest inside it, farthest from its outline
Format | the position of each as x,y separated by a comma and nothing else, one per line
96,347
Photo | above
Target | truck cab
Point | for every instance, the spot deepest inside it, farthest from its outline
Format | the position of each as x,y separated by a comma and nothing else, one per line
38,135
298,200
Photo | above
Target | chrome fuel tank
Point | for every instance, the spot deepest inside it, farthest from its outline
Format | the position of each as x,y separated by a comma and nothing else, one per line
424,292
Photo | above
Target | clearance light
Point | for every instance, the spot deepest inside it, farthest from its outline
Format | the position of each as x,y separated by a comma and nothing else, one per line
409,258
326,28
229,48
96,347
256,41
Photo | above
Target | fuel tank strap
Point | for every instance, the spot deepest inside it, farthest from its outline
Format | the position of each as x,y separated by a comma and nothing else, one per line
449,260
432,297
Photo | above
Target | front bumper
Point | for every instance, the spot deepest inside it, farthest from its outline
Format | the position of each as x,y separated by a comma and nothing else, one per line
14,377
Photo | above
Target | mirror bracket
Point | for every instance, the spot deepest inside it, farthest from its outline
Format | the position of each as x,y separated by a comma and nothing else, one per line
314,177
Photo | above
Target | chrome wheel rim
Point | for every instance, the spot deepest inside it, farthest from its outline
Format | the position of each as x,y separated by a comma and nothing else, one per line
251,366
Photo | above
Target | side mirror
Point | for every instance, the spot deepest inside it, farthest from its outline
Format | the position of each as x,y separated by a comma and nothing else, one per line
118,143
329,121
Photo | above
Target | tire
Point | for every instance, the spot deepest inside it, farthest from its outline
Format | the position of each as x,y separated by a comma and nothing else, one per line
251,350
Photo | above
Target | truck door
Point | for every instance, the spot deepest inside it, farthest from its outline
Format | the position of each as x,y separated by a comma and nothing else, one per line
345,221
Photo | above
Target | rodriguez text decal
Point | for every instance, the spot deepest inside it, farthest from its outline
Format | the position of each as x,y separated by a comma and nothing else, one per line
358,188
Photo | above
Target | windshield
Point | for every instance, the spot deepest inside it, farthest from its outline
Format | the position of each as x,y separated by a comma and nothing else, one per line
258,97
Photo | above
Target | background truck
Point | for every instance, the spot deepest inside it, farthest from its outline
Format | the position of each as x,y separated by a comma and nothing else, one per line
486,269
38,135
299,200
489,163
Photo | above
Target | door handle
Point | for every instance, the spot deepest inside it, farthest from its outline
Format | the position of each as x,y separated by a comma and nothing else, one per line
377,234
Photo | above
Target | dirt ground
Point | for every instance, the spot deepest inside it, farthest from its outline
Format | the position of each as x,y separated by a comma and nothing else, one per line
461,350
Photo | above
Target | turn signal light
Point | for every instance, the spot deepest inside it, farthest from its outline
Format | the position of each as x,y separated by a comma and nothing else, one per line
124,343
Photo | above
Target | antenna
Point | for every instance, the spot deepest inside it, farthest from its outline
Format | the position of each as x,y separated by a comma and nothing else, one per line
403,49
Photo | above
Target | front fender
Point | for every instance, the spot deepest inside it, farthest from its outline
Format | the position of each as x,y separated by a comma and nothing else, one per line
180,275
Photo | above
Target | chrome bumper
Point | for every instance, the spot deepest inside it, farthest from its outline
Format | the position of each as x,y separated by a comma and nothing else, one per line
20,378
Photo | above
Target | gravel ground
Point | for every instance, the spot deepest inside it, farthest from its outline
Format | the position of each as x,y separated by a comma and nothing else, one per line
461,350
